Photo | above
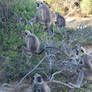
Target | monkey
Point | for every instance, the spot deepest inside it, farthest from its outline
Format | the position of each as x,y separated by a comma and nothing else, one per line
39,85
46,14
84,67
85,70
32,43
60,20
86,62
43,15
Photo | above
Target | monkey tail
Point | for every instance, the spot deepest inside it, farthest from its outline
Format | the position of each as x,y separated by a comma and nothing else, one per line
44,49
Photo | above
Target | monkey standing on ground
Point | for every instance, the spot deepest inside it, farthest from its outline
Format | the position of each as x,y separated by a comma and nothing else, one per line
60,20
39,85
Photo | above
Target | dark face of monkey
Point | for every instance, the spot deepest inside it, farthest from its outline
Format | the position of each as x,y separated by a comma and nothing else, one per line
81,51
38,4
25,33
39,79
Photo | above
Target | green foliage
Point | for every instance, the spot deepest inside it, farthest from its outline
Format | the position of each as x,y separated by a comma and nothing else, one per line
11,30
14,16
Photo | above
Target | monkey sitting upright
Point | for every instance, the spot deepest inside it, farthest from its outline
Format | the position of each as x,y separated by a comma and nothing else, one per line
32,43
60,20
85,70
39,85
86,67
43,15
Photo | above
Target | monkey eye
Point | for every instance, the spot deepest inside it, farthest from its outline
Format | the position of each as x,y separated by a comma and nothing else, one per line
25,33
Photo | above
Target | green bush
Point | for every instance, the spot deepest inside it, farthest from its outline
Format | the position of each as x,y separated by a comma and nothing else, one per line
11,34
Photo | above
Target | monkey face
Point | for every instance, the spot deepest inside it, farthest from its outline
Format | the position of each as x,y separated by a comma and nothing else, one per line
27,32
38,78
39,4
79,51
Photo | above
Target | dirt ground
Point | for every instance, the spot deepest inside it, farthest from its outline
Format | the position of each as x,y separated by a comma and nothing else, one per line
75,22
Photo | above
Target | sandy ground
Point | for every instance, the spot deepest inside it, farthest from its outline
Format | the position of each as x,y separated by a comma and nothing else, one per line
75,22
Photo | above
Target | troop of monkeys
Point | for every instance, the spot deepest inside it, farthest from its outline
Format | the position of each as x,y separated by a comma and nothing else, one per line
32,47
33,44
44,17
